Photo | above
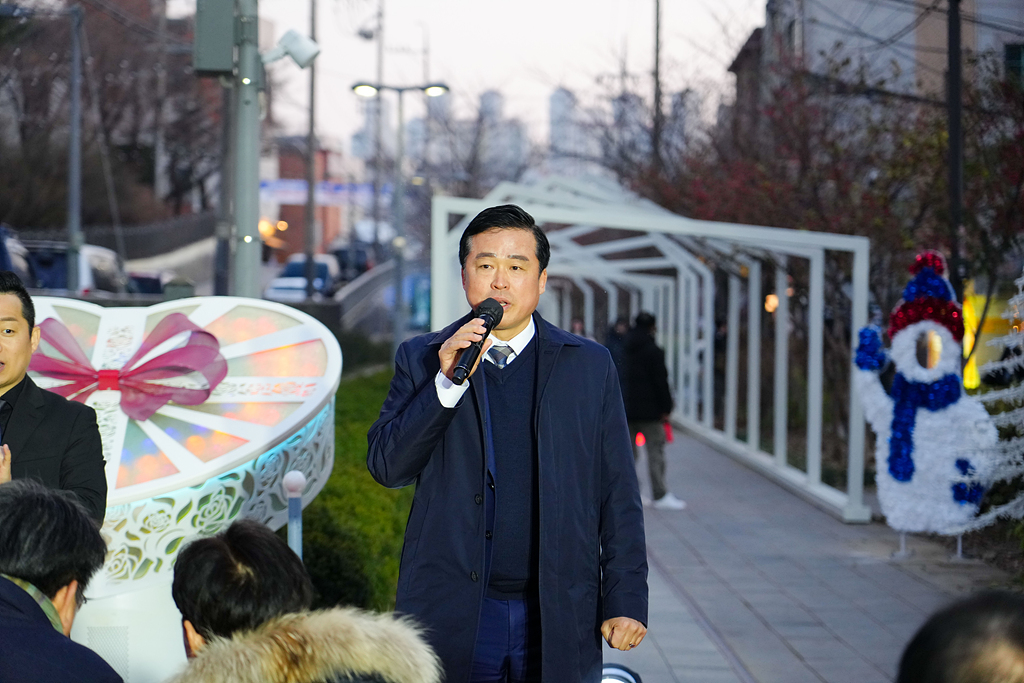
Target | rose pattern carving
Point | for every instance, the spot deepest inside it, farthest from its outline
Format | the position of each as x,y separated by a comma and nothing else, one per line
144,538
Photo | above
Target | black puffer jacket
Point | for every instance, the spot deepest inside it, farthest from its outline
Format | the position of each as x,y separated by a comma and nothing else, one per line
645,378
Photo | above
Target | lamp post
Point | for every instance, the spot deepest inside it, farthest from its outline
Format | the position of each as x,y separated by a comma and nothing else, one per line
398,243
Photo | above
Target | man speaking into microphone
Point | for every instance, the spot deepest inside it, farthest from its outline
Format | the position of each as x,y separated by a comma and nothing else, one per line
525,542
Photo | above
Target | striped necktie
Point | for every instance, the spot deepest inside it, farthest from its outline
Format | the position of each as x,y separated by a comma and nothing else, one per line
500,354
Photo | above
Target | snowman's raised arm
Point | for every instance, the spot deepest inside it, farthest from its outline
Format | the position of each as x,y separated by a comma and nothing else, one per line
871,359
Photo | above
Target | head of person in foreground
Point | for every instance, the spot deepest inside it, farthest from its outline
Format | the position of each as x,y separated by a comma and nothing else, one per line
976,640
48,540
244,598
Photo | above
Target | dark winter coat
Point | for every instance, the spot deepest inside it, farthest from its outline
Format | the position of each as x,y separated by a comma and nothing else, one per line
646,391
33,651
616,345
341,645
593,563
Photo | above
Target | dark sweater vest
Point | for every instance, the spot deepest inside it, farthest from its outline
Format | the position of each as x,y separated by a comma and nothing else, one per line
514,554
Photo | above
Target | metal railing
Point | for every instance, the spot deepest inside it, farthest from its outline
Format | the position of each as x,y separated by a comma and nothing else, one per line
679,284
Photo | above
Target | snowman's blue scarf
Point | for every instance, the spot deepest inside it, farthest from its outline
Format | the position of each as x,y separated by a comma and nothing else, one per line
908,397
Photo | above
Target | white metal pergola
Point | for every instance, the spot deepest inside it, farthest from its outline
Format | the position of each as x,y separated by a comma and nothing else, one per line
669,270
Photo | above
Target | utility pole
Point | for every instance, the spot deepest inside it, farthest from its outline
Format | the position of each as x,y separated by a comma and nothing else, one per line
247,149
427,118
75,239
213,55
398,244
398,196
954,104
225,212
378,133
311,147
108,173
659,122
161,173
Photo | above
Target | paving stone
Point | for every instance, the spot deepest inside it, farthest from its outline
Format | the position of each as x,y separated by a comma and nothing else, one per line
750,583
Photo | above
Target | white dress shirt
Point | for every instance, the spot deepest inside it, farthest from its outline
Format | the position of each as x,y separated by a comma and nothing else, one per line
450,393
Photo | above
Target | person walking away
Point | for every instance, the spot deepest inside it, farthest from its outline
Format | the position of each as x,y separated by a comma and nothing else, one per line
649,403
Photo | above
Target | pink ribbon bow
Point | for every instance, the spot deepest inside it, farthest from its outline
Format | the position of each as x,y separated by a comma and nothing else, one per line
140,397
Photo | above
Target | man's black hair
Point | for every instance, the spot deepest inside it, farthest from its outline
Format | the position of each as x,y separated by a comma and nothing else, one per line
46,537
645,322
506,216
976,640
239,579
11,284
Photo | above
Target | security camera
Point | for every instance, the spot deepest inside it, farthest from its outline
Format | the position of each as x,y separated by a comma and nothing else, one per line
301,49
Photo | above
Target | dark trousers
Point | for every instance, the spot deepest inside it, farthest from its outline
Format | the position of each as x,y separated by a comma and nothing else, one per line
507,642
654,432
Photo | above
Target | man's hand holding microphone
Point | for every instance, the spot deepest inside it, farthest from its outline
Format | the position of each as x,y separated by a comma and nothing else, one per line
460,354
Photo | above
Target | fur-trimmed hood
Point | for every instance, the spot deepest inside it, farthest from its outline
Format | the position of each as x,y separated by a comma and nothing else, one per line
312,647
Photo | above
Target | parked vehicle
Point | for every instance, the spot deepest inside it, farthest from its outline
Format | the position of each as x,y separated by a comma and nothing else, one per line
99,268
14,256
148,282
290,284
354,260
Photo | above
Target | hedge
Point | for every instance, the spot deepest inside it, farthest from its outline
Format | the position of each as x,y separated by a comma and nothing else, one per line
352,531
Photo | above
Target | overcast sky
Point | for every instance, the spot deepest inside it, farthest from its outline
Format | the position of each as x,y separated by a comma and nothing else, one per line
524,49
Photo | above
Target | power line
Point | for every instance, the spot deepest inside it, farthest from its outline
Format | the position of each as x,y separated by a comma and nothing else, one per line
908,28
889,43
879,42
970,18
128,21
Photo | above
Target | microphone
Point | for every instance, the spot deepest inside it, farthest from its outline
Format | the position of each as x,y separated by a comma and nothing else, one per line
491,312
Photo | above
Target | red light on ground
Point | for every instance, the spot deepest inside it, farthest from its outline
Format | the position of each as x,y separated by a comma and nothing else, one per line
640,439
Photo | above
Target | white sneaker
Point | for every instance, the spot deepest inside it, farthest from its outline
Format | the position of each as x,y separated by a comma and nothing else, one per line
668,502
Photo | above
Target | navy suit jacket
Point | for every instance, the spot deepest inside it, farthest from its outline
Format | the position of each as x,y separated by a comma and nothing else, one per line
32,651
593,561
57,442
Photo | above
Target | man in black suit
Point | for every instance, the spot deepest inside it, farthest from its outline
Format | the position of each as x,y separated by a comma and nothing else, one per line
49,549
44,436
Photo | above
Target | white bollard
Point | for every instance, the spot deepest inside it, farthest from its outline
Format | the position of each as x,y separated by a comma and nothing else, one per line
294,484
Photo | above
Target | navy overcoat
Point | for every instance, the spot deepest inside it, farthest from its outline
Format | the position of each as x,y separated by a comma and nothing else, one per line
593,561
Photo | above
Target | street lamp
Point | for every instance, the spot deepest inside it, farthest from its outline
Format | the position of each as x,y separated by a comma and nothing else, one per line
398,243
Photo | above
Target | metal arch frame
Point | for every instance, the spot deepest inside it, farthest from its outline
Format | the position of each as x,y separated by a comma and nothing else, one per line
685,302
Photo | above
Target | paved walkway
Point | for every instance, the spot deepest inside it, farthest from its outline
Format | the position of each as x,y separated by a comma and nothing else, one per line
750,583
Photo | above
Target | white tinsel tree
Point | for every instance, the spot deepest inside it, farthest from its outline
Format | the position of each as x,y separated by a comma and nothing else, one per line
1007,406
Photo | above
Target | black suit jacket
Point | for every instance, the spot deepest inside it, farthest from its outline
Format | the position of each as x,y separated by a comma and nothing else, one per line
32,651
57,442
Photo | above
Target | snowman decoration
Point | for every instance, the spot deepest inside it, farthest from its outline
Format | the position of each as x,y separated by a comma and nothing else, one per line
932,438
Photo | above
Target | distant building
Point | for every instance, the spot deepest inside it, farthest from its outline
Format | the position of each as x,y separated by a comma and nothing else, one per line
330,217
750,81
363,143
629,138
899,46
904,43
565,137
477,152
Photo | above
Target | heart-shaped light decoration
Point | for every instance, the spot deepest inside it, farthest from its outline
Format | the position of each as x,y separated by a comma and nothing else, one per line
203,406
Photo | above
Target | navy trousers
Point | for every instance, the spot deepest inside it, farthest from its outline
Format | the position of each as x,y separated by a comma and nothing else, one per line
507,642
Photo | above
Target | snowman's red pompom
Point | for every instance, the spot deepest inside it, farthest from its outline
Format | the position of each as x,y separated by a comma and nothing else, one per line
929,259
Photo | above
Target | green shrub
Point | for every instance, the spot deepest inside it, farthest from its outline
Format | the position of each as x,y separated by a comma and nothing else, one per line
361,351
353,530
